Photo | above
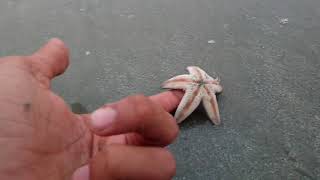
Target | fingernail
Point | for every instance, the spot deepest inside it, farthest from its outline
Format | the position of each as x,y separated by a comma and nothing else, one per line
81,174
102,118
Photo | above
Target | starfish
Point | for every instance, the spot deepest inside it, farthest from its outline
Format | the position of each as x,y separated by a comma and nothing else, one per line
198,86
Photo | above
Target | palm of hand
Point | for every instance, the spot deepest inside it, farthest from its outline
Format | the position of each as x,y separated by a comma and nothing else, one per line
39,128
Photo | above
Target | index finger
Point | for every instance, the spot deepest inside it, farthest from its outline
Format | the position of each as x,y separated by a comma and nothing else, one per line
146,116
169,100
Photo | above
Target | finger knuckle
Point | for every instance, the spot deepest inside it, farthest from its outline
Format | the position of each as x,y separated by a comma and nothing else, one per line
104,163
142,105
173,133
144,110
137,98
170,169
109,154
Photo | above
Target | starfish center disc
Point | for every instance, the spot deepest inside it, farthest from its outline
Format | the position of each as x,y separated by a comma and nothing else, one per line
201,83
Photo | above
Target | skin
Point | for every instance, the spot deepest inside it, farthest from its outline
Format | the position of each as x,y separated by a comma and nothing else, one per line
40,138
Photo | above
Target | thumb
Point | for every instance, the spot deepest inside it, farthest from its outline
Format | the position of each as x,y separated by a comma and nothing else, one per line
52,59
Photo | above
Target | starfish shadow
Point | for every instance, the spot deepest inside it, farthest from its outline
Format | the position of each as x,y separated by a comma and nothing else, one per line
197,118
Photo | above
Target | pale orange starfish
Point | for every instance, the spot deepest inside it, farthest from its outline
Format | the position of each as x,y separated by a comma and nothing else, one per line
198,86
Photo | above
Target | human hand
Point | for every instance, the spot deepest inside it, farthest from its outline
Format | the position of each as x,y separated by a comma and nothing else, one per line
41,138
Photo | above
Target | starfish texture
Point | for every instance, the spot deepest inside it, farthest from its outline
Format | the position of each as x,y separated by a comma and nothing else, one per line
198,86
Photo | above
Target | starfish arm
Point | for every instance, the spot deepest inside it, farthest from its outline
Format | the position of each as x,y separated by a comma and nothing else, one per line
178,82
218,88
189,102
214,87
211,105
214,81
197,72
